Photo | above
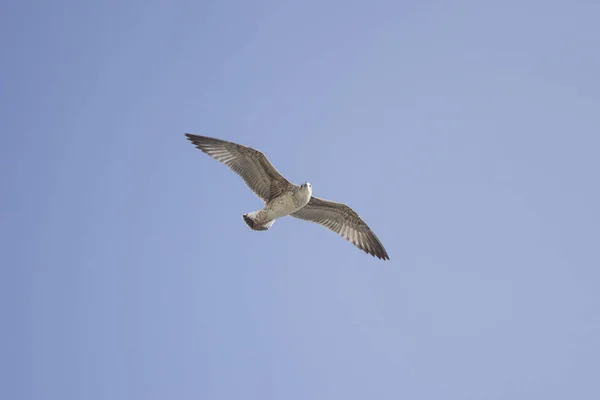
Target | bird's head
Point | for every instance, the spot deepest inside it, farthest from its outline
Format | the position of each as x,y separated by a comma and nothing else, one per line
306,186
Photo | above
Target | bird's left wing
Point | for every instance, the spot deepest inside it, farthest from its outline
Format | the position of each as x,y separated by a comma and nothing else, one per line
344,221
250,164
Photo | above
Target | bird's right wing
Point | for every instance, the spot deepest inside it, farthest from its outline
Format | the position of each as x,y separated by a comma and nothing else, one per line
252,165
344,221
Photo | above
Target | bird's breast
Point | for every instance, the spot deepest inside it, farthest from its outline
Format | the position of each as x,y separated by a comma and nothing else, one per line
287,203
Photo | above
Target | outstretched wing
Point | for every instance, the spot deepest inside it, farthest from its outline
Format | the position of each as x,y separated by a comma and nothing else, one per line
345,222
252,165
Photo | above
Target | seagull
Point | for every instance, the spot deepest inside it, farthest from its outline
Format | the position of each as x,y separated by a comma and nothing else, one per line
282,198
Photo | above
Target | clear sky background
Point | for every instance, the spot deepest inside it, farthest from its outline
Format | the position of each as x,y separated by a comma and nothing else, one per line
465,133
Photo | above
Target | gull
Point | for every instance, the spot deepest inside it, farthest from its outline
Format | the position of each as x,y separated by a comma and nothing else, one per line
282,198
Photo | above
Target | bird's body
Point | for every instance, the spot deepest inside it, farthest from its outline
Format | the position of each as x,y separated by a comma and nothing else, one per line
281,206
282,198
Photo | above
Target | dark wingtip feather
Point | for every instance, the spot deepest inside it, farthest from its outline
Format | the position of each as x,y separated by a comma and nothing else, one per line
373,247
196,139
377,248
191,138
381,255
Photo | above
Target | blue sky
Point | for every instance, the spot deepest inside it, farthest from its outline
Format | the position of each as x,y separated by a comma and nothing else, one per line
465,133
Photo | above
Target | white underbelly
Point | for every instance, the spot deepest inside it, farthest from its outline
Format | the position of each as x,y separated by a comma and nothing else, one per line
285,205
279,212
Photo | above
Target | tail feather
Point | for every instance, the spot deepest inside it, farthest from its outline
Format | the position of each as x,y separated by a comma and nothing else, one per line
255,220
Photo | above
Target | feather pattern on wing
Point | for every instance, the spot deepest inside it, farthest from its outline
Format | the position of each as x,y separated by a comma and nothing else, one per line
344,221
250,164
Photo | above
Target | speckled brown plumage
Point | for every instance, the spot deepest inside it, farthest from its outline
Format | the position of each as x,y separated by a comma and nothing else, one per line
252,165
345,222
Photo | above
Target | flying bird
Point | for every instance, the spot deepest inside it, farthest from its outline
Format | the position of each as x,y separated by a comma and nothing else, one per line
283,198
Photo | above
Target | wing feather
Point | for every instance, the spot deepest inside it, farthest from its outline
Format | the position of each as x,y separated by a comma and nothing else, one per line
250,164
344,221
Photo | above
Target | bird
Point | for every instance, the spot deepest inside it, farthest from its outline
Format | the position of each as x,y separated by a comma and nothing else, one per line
282,198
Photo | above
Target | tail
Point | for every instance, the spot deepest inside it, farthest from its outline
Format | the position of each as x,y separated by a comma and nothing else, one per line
257,220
